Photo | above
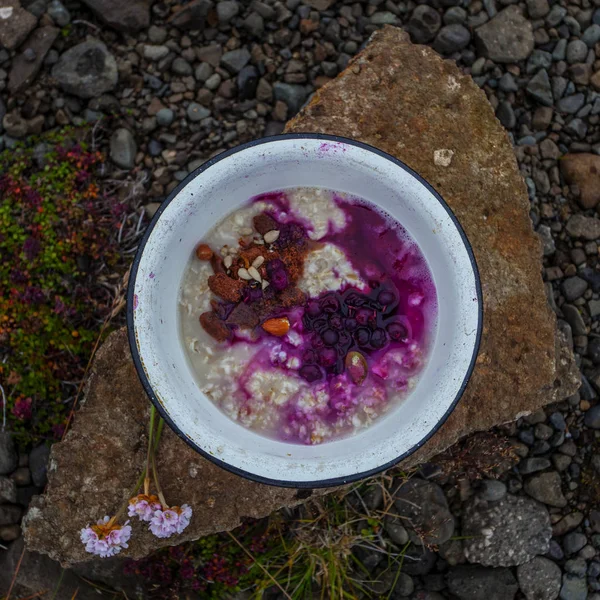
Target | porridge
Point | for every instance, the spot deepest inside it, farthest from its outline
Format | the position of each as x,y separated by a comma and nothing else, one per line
307,314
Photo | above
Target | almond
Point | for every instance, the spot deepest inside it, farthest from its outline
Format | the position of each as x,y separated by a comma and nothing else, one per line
278,326
204,252
271,236
356,365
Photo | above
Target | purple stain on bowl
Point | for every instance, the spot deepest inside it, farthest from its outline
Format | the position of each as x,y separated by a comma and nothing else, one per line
152,275
135,301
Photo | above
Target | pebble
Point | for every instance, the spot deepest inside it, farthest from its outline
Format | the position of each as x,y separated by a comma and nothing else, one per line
492,490
424,24
164,117
539,579
451,38
591,419
573,588
546,488
235,60
540,89
60,15
8,454
573,288
576,51
38,464
533,465
196,112
573,542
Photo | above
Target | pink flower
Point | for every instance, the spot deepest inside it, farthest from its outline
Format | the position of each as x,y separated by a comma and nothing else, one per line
170,521
105,538
22,409
143,506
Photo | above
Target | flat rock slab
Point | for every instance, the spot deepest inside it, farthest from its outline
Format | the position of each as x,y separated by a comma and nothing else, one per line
407,101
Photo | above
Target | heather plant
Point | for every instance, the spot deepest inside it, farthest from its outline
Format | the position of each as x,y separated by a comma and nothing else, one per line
58,242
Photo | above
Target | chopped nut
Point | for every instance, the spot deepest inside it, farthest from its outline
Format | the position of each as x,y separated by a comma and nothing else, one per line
264,223
258,261
265,284
271,236
228,261
254,274
246,231
204,252
214,326
243,274
278,326
357,368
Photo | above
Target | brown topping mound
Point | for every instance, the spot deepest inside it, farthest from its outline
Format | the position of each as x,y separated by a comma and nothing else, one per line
264,223
214,326
293,258
244,316
292,296
225,287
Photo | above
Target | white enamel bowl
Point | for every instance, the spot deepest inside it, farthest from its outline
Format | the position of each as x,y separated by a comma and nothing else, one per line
216,189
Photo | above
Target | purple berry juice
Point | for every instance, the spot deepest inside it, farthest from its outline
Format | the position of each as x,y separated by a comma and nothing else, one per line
307,314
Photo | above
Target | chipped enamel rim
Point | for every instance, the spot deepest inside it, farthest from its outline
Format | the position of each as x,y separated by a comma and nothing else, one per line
214,190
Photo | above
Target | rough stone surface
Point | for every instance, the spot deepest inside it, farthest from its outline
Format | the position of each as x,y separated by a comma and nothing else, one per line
583,170
15,24
519,349
539,579
128,15
480,583
505,533
508,37
23,71
86,70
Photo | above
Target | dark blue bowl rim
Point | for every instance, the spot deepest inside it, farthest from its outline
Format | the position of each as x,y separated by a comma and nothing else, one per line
335,481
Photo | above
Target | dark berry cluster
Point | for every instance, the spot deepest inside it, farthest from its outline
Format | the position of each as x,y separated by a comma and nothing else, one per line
350,321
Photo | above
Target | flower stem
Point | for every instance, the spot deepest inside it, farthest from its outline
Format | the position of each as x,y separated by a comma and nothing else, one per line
149,455
135,490
158,489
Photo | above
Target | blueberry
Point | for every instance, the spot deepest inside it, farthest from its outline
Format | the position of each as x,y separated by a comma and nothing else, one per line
313,309
378,338
309,357
328,357
362,337
336,322
351,324
344,341
279,280
274,265
397,331
330,304
355,299
310,373
330,337
386,297
363,315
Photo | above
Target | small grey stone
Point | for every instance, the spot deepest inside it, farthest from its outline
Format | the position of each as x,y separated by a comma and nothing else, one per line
591,419
573,288
505,533
539,88
576,51
537,8
60,15
492,490
507,83
591,36
404,586
506,114
203,72
539,59
573,542
384,18
155,53
235,60
38,464
154,148
451,38
8,454
9,514
164,117
576,566
574,319
567,523
481,583
557,420
123,148
396,531
539,579
197,112
182,67
293,95
576,127
546,488
423,24
533,465
227,10
454,15
573,588
570,104
556,15
548,245
157,35
254,24
580,226
8,491
560,50
87,70
506,38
